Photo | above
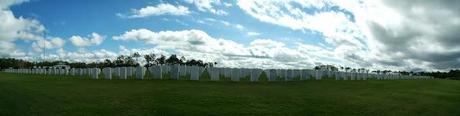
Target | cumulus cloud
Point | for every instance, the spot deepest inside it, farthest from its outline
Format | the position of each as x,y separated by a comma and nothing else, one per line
253,33
160,9
5,4
423,32
420,34
262,53
81,55
50,43
210,6
338,28
94,39
15,28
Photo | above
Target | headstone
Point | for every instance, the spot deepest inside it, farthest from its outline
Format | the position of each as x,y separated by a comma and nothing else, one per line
318,74
309,74
164,69
118,72
140,71
183,70
129,71
255,74
123,73
62,71
337,75
235,74
195,73
214,73
271,74
228,72
156,71
175,72
244,72
297,73
94,73
107,73
81,72
289,75
222,72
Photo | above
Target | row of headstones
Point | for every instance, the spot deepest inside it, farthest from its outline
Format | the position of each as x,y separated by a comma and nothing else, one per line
235,74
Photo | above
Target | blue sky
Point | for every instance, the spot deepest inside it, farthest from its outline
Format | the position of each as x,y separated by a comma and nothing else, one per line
246,33
68,18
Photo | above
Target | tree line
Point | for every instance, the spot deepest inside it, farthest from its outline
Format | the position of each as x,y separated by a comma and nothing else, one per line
120,61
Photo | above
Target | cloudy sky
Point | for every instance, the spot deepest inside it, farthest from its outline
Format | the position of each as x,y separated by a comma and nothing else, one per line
376,34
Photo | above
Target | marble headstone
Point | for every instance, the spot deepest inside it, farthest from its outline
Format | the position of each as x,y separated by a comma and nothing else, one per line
94,73
235,74
107,73
140,72
255,74
214,73
175,72
195,73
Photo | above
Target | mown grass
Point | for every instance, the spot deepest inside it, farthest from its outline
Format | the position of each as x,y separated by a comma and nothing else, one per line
26,94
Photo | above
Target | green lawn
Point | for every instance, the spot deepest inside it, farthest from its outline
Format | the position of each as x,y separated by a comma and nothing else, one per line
37,95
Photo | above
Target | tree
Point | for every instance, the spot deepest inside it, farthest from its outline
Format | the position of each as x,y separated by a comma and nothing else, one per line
150,58
173,60
161,59
107,63
136,55
183,60
347,69
120,61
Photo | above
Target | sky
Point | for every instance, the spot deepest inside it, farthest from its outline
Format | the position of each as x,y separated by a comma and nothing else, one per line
416,35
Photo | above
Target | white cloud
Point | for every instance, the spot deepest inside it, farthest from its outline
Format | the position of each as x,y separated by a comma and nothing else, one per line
50,43
209,6
261,53
79,41
253,33
422,33
160,9
15,28
337,27
240,27
82,55
210,21
5,4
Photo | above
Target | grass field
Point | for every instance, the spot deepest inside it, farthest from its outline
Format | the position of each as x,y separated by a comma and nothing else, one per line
36,95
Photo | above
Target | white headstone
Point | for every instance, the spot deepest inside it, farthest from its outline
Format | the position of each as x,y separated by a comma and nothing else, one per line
183,70
94,73
308,74
318,74
235,74
156,71
140,71
228,72
175,72
214,73
195,73
118,72
337,75
271,74
62,71
255,74
123,73
129,71
297,73
107,73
